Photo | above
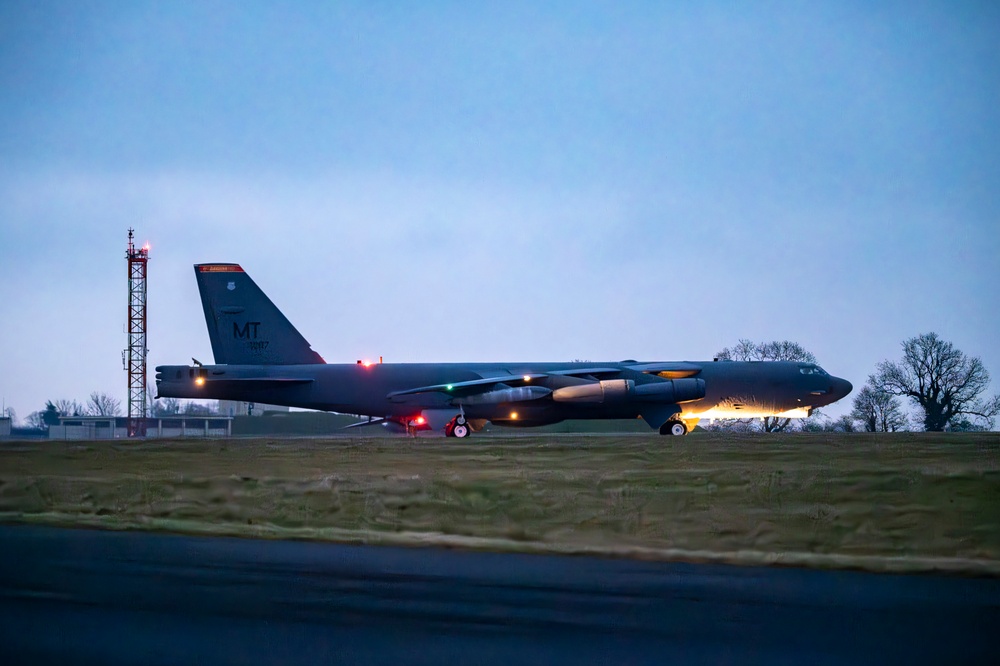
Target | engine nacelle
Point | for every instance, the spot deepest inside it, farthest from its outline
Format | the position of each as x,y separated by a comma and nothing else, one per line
609,390
516,394
672,390
622,390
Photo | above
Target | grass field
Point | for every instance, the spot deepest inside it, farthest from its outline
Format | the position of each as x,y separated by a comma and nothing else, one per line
903,502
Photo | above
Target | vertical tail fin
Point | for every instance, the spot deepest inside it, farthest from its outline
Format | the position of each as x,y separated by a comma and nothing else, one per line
244,325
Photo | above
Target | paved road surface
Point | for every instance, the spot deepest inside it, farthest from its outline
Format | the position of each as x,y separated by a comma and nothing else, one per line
92,597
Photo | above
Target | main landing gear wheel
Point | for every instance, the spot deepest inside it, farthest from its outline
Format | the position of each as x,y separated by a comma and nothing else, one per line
458,427
675,428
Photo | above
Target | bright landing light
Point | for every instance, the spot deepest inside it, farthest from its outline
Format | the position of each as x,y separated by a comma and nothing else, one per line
724,413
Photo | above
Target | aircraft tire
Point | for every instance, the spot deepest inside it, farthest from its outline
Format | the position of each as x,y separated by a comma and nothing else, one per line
674,428
460,419
460,430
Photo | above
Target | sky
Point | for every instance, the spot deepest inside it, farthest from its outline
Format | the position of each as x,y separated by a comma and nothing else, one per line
454,181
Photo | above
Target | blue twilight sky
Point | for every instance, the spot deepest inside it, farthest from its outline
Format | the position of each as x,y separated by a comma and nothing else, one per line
437,181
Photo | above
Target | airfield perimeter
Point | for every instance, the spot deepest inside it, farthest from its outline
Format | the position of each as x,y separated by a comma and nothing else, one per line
901,502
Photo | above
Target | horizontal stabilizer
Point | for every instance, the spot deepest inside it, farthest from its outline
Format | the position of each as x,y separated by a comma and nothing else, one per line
260,382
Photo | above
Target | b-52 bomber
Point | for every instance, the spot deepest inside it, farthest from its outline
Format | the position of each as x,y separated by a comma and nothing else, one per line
261,357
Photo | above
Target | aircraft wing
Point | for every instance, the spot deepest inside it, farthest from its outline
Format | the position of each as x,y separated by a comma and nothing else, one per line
668,369
574,372
471,386
474,386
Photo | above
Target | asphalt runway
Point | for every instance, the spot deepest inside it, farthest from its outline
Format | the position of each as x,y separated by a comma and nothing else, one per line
90,597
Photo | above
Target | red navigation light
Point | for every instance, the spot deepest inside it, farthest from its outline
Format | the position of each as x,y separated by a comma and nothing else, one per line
420,420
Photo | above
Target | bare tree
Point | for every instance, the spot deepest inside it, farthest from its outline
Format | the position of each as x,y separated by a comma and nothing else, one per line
962,424
941,379
777,350
200,409
167,407
160,406
817,422
783,350
69,407
877,410
36,420
102,404
845,423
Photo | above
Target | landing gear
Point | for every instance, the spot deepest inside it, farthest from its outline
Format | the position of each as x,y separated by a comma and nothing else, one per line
675,428
458,427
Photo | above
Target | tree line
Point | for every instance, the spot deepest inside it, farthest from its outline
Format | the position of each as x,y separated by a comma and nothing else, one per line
104,404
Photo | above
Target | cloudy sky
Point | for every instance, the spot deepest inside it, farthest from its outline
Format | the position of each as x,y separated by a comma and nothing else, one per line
443,181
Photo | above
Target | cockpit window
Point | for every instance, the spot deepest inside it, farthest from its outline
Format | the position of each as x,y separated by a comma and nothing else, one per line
811,370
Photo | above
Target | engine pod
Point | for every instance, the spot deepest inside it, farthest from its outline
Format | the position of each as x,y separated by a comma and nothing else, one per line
623,390
610,390
672,390
515,394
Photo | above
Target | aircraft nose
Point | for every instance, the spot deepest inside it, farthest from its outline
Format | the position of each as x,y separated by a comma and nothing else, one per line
840,388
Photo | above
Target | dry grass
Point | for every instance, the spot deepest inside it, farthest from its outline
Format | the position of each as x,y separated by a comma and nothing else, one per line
901,502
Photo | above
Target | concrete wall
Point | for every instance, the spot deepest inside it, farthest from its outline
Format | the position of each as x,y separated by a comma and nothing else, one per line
96,427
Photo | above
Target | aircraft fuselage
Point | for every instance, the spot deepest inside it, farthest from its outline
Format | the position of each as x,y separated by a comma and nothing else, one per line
261,357
731,389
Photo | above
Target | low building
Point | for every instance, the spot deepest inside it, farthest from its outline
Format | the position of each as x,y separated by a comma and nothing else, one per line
241,408
5,426
116,427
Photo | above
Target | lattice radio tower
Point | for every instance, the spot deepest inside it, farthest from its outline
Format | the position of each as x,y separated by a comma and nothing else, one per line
135,355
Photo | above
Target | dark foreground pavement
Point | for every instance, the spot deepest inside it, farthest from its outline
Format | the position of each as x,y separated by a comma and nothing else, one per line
92,597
